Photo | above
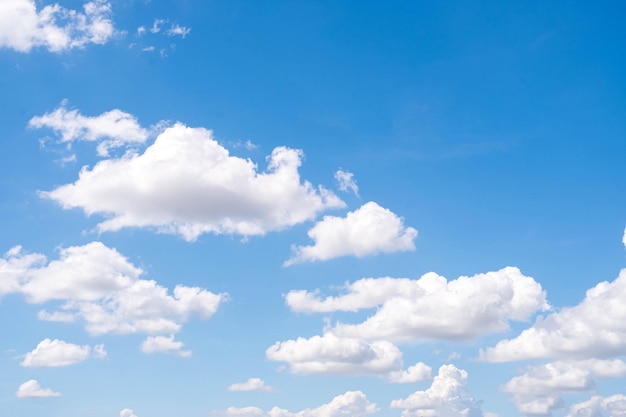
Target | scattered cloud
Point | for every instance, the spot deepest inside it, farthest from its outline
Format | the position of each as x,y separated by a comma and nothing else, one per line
112,129
252,384
352,403
594,328
346,181
100,287
177,30
446,397
32,389
23,27
54,353
187,183
624,238
430,307
538,391
369,230
164,344
597,406
127,412
156,26
329,354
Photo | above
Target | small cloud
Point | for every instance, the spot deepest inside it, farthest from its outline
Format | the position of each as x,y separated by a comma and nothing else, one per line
156,26
141,30
148,49
32,389
346,181
177,30
127,412
163,344
252,384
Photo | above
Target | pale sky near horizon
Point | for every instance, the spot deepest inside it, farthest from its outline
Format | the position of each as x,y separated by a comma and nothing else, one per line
312,209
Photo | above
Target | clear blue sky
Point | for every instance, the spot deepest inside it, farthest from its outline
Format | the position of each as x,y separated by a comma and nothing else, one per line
217,208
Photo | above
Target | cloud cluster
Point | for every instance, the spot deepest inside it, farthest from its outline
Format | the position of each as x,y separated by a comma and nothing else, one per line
23,27
252,384
54,353
32,389
430,307
99,286
187,183
446,397
368,230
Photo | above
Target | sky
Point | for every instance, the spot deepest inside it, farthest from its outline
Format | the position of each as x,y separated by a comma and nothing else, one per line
312,208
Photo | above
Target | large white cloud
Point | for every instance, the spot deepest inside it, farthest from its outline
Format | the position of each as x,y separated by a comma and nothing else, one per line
446,397
538,390
369,230
329,354
252,384
164,344
32,389
430,307
594,328
597,406
187,183
352,404
112,129
53,353
23,27
99,286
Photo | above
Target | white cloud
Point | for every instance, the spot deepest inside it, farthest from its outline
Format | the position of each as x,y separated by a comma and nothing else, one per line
538,390
596,406
127,412
177,30
329,354
187,183
252,384
99,286
446,397
346,181
164,344
624,238
352,404
594,328
369,230
23,27
53,353
112,129
430,307
32,389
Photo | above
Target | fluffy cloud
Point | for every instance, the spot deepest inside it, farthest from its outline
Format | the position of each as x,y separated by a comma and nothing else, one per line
127,412
329,354
187,183
164,344
346,181
32,389
430,307
112,129
538,391
23,27
446,397
252,384
369,230
594,328
98,285
53,353
596,406
352,403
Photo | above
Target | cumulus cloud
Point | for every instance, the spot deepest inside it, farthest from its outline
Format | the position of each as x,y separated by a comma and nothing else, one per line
329,354
164,344
594,328
54,353
127,412
430,307
538,390
32,389
252,384
446,397
112,129
352,403
369,230
346,181
597,406
187,183
98,285
23,27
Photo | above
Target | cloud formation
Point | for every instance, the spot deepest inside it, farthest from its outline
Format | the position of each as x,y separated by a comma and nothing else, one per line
127,412
430,307
252,384
369,230
164,344
597,406
187,183
32,389
346,181
594,328
23,27
54,353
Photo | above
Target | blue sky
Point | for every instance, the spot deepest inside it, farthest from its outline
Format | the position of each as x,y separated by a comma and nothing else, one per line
312,209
